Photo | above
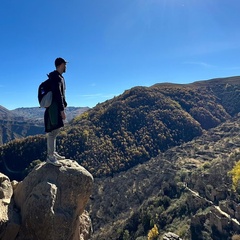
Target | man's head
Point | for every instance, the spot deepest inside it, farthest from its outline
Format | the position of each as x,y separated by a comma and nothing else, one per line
60,65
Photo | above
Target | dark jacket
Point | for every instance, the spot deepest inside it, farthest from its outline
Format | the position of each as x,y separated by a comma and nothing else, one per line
52,116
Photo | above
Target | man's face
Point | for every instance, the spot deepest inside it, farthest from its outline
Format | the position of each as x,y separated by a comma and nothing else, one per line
64,67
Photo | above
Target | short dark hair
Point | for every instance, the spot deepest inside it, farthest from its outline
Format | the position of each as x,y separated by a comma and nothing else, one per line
59,61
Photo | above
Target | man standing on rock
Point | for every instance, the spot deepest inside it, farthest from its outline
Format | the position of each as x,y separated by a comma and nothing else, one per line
54,115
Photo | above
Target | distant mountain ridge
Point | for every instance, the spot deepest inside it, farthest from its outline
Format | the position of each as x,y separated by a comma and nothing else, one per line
23,122
36,113
7,114
17,129
14,126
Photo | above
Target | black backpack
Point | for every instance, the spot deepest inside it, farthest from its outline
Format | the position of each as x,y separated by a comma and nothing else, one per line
45,94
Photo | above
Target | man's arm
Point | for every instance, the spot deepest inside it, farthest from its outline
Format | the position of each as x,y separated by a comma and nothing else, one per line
63,115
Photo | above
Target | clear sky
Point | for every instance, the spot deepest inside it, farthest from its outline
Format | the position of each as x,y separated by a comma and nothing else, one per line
114,45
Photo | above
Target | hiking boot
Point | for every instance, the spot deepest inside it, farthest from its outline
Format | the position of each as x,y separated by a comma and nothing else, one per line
57,156
53,160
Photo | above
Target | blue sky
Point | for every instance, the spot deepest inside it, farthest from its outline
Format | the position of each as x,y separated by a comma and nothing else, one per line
114,45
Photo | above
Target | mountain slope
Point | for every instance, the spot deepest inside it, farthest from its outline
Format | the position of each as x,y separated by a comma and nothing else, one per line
5,113
142,122
23,122
186,190
14,126
137,125
36,113
166,151
15,129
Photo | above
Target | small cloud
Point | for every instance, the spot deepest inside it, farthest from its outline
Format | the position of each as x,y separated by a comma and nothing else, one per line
232,68
206,65
203,64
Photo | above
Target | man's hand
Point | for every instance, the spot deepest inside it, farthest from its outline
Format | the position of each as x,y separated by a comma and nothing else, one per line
63,115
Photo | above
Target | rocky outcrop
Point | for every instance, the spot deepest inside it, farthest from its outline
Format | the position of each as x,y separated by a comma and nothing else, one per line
9,218
48,204
171,236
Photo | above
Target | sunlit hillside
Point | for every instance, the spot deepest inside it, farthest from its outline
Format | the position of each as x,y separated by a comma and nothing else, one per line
134,127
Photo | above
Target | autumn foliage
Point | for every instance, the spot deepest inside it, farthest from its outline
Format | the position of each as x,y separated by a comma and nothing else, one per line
132,128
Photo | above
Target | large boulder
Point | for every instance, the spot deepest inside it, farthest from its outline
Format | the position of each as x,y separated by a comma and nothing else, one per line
51,202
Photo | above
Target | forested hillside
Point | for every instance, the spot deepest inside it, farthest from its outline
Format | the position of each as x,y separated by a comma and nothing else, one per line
191,190
134,127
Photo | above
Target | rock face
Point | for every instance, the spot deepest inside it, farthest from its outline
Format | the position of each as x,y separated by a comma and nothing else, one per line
49,204
171,236
8,228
